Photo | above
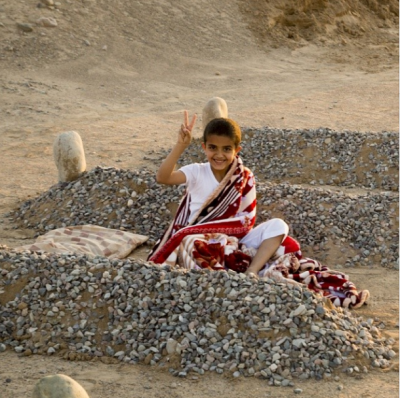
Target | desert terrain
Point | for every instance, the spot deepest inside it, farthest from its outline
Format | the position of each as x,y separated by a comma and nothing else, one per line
121,73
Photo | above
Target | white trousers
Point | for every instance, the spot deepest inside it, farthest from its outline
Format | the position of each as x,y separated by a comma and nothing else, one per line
266,230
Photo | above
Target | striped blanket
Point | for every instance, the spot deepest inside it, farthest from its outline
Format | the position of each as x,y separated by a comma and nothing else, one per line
220,252
333,285
230,210
211,241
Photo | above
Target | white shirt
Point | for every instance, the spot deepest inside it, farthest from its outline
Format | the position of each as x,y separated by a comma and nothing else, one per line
200,182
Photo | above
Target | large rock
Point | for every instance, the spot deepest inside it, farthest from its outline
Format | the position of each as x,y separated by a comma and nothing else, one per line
69,156
214,108
58,386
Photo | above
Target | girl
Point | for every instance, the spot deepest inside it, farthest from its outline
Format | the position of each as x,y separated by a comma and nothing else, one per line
213,227
220,199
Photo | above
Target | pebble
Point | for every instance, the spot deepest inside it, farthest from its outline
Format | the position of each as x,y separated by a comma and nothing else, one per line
47,22
25,27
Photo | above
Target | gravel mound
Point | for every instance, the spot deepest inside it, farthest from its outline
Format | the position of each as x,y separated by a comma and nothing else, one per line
195,321
335,213
318,157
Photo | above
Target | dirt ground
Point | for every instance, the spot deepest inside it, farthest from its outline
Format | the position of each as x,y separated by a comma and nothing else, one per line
121,73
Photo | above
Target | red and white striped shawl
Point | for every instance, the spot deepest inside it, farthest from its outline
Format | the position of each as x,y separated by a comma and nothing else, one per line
230,210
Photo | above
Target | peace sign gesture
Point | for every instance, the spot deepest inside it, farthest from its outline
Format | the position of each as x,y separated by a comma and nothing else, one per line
185,133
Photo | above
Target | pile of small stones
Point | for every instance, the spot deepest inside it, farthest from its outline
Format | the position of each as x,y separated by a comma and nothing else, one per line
317,157
186,321
363,225
108,197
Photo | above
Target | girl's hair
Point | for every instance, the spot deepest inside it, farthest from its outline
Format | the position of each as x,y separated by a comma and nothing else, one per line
223,127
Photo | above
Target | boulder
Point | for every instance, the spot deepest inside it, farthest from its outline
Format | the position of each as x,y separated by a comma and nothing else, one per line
58,386
214,108
69,156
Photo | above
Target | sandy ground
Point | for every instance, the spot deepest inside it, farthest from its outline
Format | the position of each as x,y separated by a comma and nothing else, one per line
125,94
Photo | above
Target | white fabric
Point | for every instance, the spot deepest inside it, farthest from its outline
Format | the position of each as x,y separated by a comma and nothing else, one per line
266,230
200,182
91,240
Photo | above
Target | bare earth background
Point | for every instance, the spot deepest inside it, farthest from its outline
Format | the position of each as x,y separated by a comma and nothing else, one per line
121,73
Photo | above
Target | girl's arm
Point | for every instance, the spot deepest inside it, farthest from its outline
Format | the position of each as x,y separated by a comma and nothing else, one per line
166,174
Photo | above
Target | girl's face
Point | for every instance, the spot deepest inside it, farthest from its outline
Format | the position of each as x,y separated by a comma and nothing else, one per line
220,152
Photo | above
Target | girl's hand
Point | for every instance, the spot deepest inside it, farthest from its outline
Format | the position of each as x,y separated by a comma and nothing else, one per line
185,133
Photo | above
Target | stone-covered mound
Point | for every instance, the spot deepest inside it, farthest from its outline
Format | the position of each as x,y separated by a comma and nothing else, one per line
185,321
362,225
317,157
